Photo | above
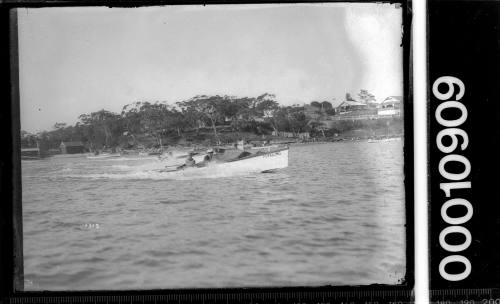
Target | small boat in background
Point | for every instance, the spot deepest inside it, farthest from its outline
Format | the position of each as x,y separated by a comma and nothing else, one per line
384,139
103,155
150,153
155,153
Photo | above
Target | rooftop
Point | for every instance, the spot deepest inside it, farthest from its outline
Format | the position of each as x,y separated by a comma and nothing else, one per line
351,103
393,99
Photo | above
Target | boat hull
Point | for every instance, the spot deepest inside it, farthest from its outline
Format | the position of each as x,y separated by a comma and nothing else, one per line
260,162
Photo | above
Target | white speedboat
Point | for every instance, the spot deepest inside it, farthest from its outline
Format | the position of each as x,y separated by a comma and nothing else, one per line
261,161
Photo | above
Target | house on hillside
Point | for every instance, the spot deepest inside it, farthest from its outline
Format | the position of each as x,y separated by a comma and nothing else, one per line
351,106
72,147
391,106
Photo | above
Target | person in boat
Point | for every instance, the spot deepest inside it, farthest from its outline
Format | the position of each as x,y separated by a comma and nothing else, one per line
240,145
208,158
190,162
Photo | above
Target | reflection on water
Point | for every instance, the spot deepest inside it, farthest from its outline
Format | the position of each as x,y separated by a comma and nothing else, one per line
334,216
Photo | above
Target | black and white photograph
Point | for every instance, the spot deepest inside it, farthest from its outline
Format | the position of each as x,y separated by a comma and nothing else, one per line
212,146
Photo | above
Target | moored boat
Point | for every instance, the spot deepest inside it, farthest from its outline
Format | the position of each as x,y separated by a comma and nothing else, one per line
104,156
383,139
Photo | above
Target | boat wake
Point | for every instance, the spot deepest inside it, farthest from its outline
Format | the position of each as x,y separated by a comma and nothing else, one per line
123,158
167,168
152,172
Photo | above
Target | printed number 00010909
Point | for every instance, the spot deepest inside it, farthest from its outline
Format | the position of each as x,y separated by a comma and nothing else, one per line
456,179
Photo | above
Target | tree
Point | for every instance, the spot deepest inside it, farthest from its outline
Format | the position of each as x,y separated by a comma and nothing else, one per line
317,127
203,108
280,119
326,105
60,133
297,118
28,139
105,120
265,105
236,108
154,118
262,108
331,111
177,121
366,97
316,104
99,128
211,108
191,113
349,97
158,119
290,118
60,125
131,120
85,126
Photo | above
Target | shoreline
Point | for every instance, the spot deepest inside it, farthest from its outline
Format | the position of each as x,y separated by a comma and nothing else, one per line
198,147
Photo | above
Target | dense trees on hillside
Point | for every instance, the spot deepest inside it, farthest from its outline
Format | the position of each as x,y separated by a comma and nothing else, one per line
153,122
159,120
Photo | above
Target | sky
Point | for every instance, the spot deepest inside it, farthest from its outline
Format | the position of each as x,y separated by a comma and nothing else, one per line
83,59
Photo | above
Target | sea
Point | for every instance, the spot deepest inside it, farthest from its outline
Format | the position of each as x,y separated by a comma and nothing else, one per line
335,216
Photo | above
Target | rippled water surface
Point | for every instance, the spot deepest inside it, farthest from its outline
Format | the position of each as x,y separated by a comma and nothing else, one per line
334,216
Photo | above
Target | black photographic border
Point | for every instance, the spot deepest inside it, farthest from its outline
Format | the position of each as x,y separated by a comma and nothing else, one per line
11,266
463,42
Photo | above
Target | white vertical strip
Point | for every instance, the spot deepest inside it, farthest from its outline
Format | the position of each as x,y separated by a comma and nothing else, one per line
419,43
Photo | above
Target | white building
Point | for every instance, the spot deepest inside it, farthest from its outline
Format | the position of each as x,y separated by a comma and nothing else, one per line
391,106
